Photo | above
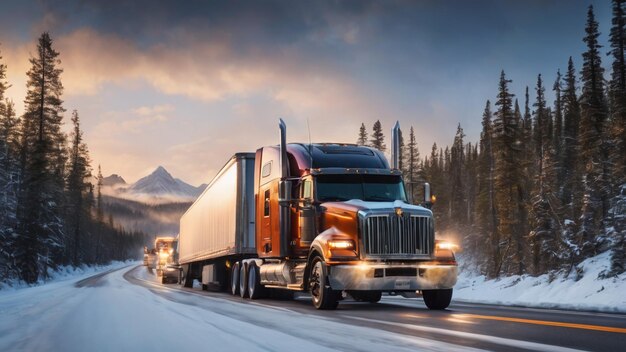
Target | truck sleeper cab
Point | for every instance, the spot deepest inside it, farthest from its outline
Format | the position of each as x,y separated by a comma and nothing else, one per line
333,218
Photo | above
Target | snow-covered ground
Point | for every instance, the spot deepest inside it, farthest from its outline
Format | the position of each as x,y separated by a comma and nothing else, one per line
588,293
112,314
64,273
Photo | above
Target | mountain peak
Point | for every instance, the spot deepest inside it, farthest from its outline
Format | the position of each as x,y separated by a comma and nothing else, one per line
161,183
113,180
161,170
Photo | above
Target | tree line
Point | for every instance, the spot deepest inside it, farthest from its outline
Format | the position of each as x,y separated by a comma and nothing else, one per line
545,186
50,211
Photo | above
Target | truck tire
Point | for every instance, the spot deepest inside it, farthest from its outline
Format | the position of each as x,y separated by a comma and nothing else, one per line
243,281
437,299
255,289
234,279
322,295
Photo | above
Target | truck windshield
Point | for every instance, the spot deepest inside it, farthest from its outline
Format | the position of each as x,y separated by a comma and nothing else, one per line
375,188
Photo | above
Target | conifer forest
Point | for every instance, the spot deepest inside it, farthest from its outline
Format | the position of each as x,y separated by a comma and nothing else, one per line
50,210
545,186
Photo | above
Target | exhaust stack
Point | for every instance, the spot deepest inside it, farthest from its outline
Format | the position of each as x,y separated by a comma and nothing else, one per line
395,146
284,164
284,193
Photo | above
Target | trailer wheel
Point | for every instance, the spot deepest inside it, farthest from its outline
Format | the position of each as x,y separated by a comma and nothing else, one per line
323,296
255,289
234,279
437,299
243,281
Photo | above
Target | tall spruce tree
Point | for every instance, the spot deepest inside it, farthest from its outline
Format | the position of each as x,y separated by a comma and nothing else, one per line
507,174
456,177
412,165
617,96
362,140
557,133
378,138
593,150
486,215
571,195
545,237
40,238
77,190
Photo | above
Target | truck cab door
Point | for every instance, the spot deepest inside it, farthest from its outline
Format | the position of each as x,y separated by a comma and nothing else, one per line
268,218
307,219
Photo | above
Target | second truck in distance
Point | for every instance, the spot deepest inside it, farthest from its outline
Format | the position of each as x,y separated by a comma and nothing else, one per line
322,218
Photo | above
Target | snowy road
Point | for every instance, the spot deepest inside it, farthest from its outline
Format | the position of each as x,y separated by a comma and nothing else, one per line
126,310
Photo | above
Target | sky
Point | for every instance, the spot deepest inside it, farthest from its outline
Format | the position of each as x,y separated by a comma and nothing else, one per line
187,84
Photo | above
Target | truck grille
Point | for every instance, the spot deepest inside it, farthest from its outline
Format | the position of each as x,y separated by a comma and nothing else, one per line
397,236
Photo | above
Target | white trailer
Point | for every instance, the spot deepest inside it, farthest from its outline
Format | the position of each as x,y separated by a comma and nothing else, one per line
219,226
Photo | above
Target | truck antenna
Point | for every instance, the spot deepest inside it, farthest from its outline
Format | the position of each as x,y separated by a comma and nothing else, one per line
310,145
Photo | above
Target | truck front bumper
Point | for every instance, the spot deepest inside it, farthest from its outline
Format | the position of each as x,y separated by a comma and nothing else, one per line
392,277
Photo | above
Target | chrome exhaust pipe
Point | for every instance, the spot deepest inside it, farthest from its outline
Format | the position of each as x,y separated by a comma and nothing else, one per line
284,193
395,146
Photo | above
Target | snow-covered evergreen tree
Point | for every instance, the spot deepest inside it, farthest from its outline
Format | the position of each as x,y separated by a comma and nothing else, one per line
41,240
594,148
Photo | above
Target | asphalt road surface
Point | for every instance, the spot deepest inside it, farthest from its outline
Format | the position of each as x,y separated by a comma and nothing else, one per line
471,326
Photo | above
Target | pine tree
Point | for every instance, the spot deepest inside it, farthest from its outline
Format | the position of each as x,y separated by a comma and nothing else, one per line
486,216
593,147
557,136
571,195
40,238
378,138
362,140
77,189
507,180
412,166
7,200
456,176
617,95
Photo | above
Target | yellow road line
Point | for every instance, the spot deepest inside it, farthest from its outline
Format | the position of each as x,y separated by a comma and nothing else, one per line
544,322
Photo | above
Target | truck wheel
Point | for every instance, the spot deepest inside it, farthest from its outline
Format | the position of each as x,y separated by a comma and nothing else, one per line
255,289
234,279
323,296
437,299
243,281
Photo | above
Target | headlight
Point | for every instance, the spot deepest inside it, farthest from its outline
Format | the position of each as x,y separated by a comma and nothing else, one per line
444,245
341,244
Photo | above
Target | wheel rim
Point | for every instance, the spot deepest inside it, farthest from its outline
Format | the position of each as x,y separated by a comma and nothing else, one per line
251,280
315,282
242,281
234,280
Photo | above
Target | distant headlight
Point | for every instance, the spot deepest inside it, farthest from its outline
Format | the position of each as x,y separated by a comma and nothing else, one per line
341,244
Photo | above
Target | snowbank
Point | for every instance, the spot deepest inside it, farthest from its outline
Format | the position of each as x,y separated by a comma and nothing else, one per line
588,293
64,273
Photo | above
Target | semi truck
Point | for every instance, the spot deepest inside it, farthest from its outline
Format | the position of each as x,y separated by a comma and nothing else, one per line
331,219
165,258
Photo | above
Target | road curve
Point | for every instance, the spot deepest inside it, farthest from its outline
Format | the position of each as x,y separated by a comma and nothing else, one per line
479,326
